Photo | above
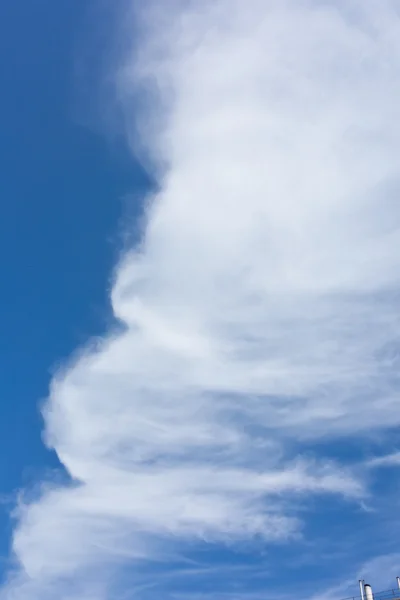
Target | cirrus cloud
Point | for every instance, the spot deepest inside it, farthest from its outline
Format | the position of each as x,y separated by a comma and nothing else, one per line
260,308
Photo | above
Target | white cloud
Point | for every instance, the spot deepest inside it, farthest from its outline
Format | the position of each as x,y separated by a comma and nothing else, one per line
387,460
261,305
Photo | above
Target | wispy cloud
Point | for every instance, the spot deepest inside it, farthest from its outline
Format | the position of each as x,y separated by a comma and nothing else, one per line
380,571
387,460
260,308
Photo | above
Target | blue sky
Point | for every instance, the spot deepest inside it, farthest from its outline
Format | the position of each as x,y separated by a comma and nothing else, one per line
63,190
228,424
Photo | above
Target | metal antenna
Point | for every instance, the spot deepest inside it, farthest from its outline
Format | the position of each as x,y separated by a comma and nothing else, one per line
361,582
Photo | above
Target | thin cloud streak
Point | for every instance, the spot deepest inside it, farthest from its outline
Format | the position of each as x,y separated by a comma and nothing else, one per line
261,305
388,460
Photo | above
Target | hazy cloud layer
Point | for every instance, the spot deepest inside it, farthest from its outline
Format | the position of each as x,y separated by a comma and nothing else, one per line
260,308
